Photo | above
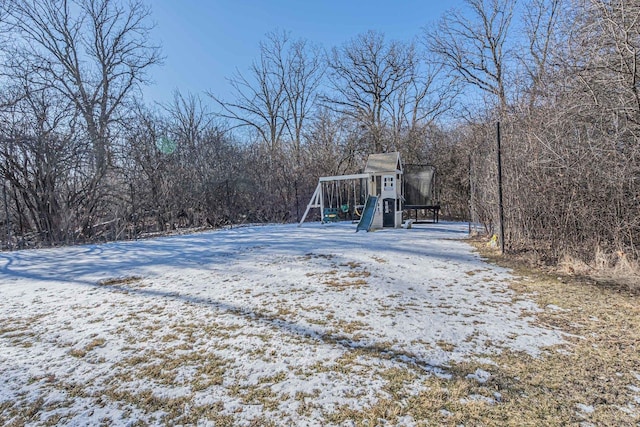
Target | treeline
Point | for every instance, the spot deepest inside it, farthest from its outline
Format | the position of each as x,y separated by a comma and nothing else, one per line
80,158
567,97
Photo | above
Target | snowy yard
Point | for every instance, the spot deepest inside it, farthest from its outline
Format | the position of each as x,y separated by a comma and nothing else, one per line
255,325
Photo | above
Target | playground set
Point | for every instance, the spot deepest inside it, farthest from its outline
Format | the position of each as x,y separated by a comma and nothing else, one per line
377,197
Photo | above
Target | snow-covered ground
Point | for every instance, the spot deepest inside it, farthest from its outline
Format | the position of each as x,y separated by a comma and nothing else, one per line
256,323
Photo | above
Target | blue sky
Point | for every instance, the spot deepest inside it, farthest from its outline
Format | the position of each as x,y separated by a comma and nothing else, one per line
205,41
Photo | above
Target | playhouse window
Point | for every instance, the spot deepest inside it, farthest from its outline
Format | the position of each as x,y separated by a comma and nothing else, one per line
388,183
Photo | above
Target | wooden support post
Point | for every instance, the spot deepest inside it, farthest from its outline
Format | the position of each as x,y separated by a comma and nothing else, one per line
313,203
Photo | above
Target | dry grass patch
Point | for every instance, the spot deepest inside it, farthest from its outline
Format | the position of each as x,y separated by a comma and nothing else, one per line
384,410
446,346
354,279
305,402
397,379
197,369
260,395
340,275
20,331
149,402
82,352
608,269
124,280
310,256
352,264
592,380
472,273
598,369
334,279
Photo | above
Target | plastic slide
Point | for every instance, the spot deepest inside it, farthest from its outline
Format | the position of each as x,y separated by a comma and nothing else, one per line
367,214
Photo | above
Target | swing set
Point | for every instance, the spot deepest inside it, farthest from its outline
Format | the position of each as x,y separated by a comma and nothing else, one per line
339,197
342,202
377,204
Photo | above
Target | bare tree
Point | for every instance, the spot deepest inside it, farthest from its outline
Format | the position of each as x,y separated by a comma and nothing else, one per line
365,76
260,96
572,169
94,52
204,173
148,171
600,85
390,91
540,21
43,160
189,118
275,101
302,70
617,24
473,46
275,98
86,57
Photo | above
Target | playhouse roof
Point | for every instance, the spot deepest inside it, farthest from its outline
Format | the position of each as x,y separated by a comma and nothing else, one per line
383,162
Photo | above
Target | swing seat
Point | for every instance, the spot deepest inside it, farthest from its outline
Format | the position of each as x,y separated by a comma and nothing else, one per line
357,210
330,215
344,208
